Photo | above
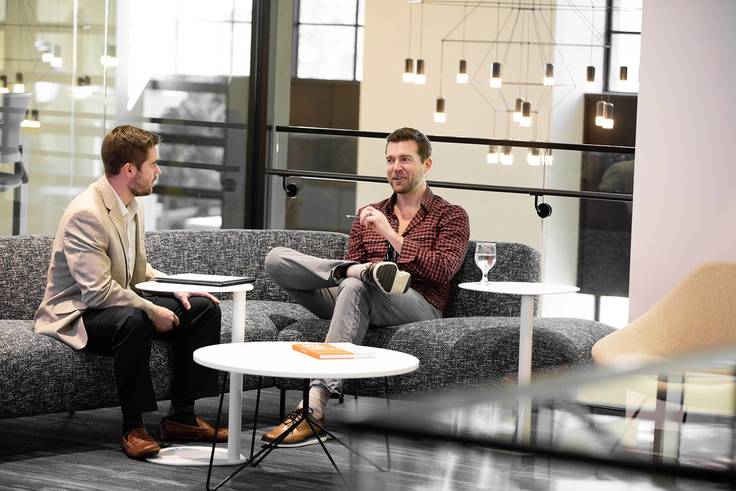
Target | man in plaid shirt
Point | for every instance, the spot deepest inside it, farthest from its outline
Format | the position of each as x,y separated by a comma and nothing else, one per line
413,238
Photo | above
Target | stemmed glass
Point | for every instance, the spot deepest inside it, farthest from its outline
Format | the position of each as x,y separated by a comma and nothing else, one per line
485,258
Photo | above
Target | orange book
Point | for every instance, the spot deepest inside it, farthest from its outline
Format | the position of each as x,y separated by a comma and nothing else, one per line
327,351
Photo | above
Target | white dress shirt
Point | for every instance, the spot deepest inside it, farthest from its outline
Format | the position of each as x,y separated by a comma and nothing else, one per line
129,219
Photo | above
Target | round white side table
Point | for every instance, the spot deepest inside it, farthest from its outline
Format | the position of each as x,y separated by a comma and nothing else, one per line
527,291
192,455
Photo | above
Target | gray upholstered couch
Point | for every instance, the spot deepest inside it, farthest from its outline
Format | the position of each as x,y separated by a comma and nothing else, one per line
476,344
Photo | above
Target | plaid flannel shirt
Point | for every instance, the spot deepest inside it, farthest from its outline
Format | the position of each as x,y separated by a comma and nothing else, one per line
435,242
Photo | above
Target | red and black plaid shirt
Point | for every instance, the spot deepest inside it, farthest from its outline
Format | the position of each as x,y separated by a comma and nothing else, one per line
435,242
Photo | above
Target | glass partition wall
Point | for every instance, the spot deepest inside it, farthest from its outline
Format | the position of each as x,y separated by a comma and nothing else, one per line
87,66
184,70
321,179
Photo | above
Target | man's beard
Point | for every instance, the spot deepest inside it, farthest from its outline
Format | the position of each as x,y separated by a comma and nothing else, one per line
138,188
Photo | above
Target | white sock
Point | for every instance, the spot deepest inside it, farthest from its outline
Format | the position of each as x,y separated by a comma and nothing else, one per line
318,397
355,270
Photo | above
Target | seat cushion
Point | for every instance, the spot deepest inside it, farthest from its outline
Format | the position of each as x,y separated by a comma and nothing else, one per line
456,353
42,375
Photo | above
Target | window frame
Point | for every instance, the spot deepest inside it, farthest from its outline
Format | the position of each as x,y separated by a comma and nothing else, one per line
295,40
610,32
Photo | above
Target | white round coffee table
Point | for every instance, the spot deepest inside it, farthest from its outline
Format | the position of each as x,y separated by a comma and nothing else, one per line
279,359
192,455
527,291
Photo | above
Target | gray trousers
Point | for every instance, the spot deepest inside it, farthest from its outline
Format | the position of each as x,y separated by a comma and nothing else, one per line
350,304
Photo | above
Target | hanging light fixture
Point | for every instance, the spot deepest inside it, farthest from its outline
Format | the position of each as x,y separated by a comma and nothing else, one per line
4,84
533,158
608,116
109,59
507,158
19,87
462,69
420,78
526,114
30,120
439,111
496,82
590,78
462,72
599,109
623,73
47,55
516,116
493,154
57,61
549,75
408,71
547,157
35,123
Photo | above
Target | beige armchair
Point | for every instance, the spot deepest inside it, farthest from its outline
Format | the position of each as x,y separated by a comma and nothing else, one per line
698,314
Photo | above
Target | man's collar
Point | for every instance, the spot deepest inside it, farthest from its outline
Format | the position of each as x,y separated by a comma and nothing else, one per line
112,198
426,202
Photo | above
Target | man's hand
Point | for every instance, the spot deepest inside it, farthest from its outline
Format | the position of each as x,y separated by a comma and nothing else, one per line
374,219
183,297
163,319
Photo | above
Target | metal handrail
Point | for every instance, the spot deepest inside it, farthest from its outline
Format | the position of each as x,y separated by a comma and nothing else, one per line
537,192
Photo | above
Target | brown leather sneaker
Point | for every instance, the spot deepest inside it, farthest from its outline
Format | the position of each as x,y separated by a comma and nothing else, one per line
302,434
139,445
178,432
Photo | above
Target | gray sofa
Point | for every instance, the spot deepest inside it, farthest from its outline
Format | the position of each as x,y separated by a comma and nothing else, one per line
477,342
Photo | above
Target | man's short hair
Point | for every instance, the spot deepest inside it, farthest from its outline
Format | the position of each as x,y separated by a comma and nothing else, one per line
126,144
407,134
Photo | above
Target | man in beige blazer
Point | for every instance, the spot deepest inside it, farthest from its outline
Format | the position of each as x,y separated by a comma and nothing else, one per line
90,302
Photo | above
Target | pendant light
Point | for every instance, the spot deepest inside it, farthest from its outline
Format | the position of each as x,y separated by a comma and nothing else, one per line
516,116
439,113
493,154
549,75
4,84
608,116
507,158
420,78
408,71
548,158
19,87
533,158
495,80
590,78
599,109
623,73
526,114
462,72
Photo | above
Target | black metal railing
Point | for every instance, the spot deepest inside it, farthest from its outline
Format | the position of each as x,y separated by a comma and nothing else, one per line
532,191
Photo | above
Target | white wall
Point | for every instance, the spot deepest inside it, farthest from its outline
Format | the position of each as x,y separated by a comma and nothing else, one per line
684,200
387,103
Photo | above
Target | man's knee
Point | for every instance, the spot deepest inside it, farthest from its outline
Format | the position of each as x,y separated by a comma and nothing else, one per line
353,285
134,324
274,259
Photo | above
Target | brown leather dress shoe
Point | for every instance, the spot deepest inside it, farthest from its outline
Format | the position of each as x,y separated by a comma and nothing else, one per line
202,432
302,434
139,445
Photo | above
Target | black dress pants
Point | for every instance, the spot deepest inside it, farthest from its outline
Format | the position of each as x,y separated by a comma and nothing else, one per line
125,333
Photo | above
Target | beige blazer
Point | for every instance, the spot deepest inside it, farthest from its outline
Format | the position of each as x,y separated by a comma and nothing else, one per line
88,268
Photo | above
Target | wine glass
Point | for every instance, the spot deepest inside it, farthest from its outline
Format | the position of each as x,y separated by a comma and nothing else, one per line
485,258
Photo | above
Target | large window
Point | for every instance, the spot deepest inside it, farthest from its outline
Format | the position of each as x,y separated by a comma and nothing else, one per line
330,39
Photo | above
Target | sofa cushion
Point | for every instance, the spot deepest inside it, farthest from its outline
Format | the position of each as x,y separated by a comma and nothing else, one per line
43,375
456,353
24,262
515,262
